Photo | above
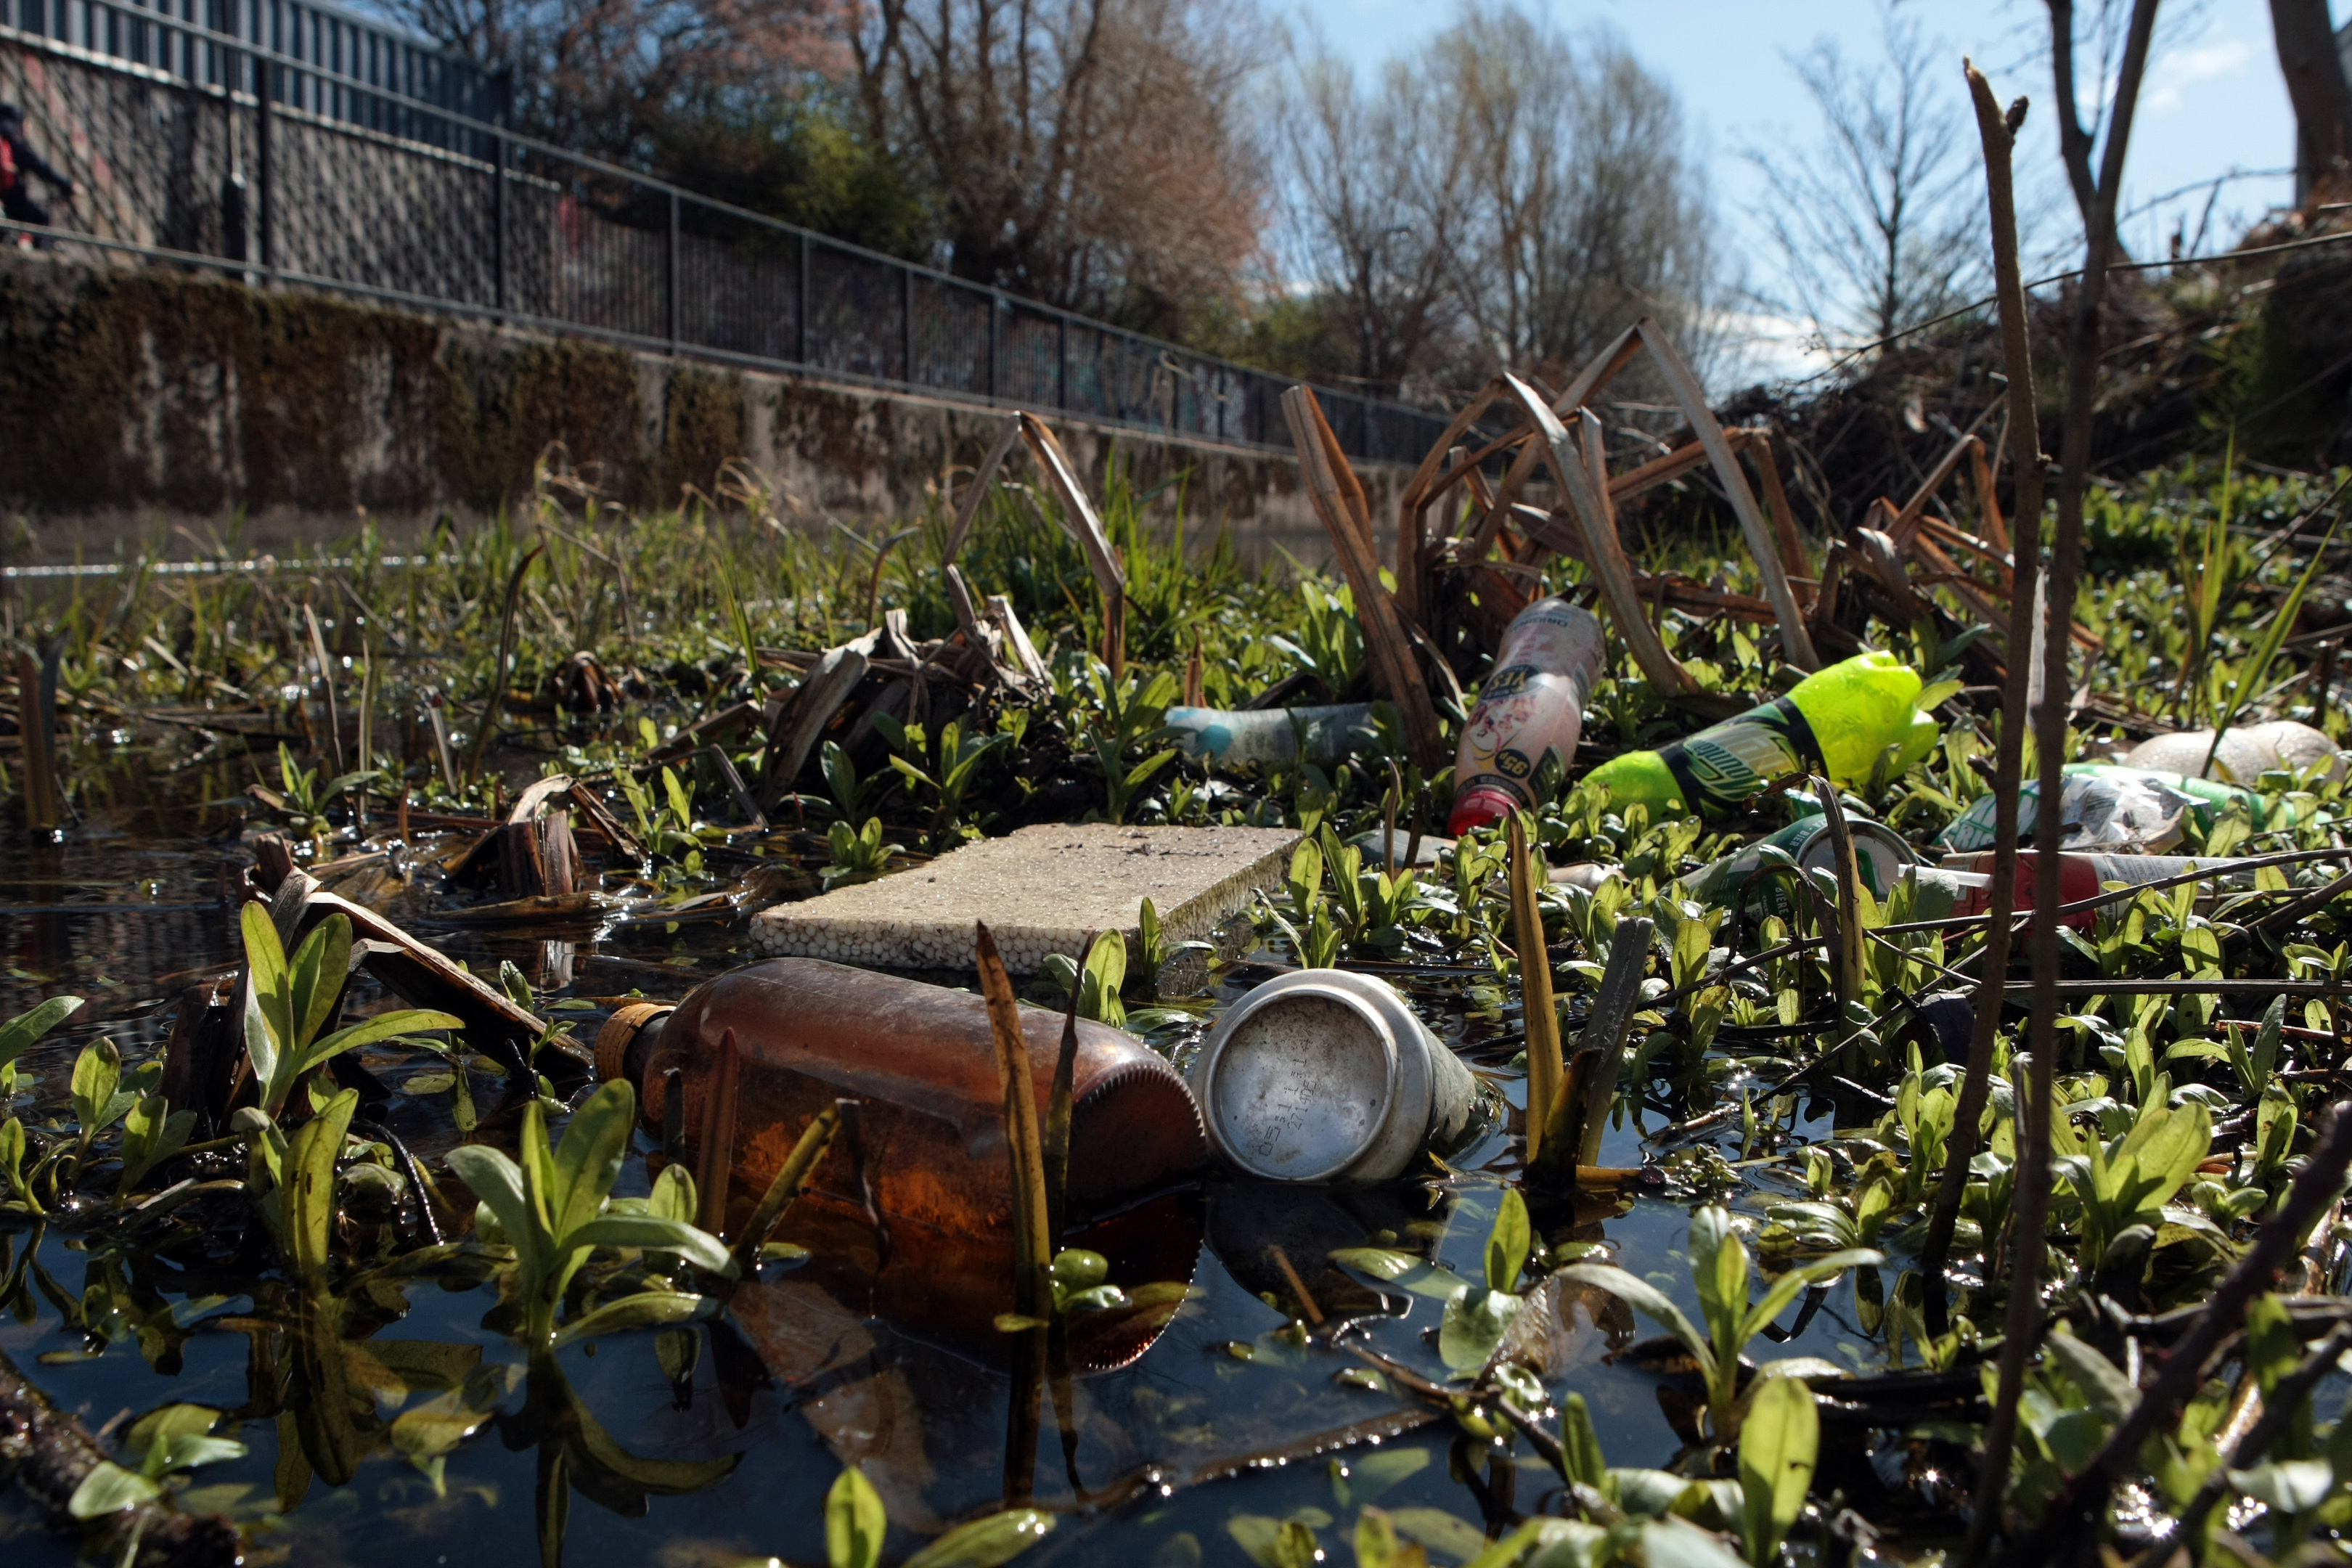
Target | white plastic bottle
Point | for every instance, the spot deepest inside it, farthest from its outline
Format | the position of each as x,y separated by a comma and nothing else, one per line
1531,707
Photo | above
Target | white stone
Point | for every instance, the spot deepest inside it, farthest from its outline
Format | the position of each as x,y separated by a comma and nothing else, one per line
1041,891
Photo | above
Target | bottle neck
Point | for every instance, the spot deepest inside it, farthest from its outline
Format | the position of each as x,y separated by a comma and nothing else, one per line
630,1022
1481,805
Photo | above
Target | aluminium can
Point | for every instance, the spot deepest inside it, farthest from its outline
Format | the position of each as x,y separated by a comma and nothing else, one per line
1323,1075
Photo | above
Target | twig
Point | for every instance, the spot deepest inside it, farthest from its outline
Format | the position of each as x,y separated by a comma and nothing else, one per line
1998,133
2030,1214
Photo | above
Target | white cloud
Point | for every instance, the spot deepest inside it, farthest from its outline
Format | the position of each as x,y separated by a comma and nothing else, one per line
1761,346
2185,67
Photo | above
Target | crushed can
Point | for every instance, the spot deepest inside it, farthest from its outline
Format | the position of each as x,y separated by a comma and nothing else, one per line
1323,1075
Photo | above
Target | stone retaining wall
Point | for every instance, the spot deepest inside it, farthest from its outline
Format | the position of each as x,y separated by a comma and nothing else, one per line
130,392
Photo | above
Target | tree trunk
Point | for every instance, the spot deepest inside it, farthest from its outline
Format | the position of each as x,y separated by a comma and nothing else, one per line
2073,142
2316,86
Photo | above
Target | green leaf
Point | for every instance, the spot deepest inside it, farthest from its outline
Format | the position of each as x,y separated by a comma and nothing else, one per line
1654,1493
261,1047
1674,1542
588,1160
1369,1475
264,962
1474,1322
1507,1243
697,1246
12,1161
855,1523
1106,976
1533,1542
536,1160
2110,1393
109,1488
495,1179
1779,1442
2289,1486
673,1196
1580,1444
1650,1301
1305,879
1390,1267
17,1034
1139,775
97,1073
187,1451
1785,1288
1935,696
316,976
646,1310
1275,1543
1439,1530
169,1420
1719,1270
368,1031
310,1181
986,1543
1377,1545
152,1134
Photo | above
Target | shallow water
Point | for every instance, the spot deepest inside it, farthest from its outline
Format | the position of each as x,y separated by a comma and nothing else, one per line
720,1443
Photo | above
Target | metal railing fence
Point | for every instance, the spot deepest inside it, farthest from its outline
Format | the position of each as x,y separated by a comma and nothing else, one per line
290,142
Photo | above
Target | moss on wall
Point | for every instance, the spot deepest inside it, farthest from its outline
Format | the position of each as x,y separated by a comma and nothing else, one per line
126,389
123,386
505,399
702,429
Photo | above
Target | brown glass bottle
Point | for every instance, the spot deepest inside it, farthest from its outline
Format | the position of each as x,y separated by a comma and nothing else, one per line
921,1062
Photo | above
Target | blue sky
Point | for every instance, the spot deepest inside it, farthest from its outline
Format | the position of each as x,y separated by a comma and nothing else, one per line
2214,102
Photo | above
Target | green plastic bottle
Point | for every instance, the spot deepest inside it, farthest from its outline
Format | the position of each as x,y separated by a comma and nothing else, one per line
1838,720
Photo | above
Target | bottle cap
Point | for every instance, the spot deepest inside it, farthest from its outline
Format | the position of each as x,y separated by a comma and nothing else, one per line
620,1032
1481,804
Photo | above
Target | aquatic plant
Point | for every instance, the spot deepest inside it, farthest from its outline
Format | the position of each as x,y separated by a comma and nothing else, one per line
551,1205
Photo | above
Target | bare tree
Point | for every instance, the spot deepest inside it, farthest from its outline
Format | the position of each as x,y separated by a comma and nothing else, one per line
2316,86
1875,232
1374,208
1584,213
1509,198
1091,153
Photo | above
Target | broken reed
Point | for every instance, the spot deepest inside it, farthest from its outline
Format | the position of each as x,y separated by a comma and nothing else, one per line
1544,1068
716,1165
791,1181
1025,1146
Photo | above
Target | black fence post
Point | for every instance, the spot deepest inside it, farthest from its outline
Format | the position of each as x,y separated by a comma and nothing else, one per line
499,219
907,325
1061,362
673,272
263,158
804,335
236,220
995,338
